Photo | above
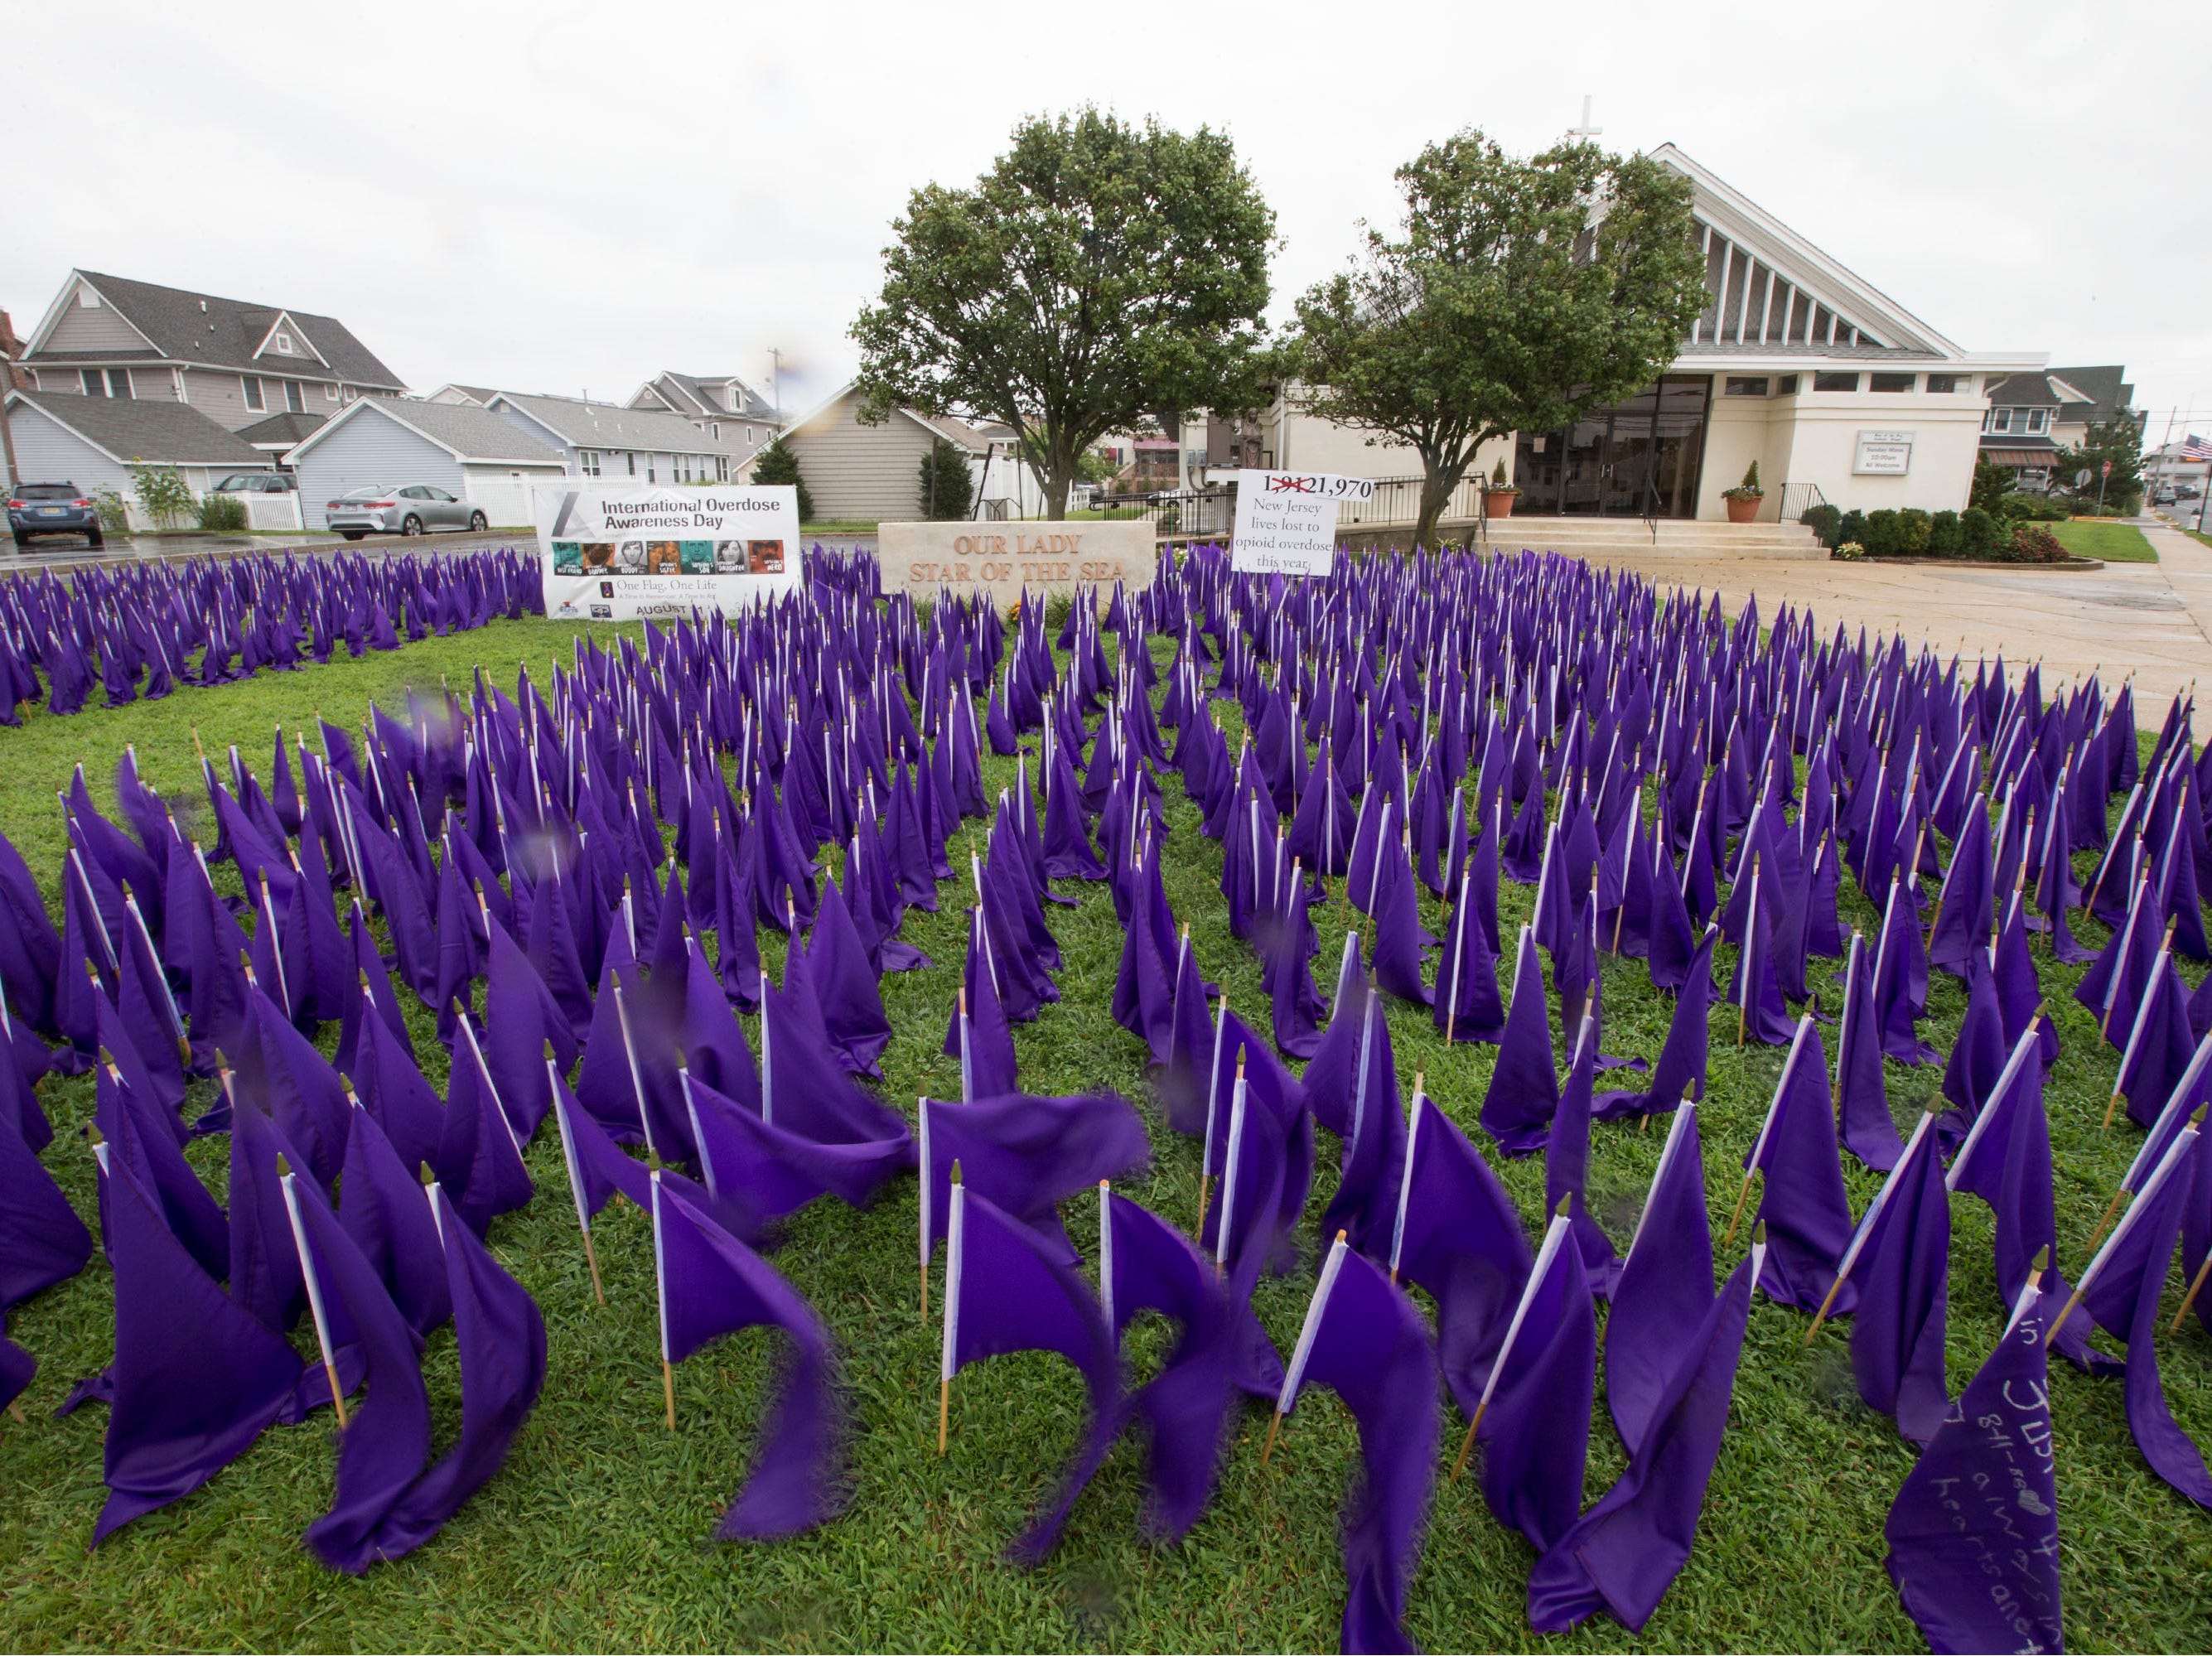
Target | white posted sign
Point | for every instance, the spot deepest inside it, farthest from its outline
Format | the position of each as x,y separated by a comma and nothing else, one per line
1883,454
624,551
1286,521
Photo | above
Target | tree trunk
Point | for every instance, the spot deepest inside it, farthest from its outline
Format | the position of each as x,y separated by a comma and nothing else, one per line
1437,485
1057,483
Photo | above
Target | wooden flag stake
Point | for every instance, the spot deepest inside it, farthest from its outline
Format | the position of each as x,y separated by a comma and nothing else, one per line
2112,1209
1736,1218
2189,1300
668,1389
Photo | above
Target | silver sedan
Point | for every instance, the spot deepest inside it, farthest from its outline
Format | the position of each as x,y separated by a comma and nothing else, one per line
407,509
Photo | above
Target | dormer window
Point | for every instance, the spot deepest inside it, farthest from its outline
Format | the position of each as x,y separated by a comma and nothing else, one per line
282,344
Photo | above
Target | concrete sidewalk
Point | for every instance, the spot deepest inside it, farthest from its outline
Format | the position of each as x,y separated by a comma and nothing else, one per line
2152,620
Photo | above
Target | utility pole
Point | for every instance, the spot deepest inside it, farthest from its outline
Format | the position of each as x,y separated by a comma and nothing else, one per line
9,347
774,375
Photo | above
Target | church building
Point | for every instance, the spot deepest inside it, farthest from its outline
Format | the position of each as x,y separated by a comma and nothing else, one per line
1838,392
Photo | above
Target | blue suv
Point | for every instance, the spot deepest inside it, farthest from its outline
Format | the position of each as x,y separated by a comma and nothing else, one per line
51,509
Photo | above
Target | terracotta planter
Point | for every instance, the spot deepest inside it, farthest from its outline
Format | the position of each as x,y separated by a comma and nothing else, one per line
1743,512
1498,502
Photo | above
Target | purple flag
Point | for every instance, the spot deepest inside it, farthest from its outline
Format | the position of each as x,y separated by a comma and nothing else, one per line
1364,1339
2121,1289
1807,1215
393,1090
845,985
1897,1331
598,1170
1466,1004
1973,1534
757,1172
42,1241
196,1376
1145,1264
1680,1073
386,1443
713,1284
1623,1555
1524,1085
1666,1285
387,1213
1027,1154
1459,1236
1566,1167
1534,1410
502,1340
1862,1098
1007,1289
479,1160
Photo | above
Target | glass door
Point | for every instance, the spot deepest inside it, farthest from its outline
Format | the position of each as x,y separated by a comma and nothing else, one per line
1638,458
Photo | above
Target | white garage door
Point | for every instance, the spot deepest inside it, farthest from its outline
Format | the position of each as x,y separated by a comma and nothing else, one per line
503,493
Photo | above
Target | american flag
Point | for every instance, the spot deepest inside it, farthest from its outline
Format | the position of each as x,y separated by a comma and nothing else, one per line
2196,448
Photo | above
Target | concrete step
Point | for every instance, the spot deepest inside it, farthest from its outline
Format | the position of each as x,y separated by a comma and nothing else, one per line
1678,538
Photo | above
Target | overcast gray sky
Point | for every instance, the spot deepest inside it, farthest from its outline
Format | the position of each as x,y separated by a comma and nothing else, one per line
560,197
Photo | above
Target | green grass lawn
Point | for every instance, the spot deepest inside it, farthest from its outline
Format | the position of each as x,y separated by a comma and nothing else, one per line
839,526
2104,537
596,1534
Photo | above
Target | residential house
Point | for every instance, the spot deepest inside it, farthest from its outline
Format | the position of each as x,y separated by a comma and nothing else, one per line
606,440
872,473
474,396
723,406
2034,418
236,362
93,441
473,453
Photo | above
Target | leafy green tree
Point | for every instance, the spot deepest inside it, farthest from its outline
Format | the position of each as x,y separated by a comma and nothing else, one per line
2118,440
778,465
1992,482
1097,272
1518,295
163,493
948,486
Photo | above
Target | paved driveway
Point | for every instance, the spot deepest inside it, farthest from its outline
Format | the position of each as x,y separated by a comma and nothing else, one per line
2152,620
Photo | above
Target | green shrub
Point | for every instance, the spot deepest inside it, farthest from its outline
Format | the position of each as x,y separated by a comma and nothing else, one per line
1057,609
223,515
163,493
2034,508
114,515
778,465
1991,483
1849,551
1852,528
1984,532
947,488
1913,526
1883,538
2034,543
1824,520
1945,539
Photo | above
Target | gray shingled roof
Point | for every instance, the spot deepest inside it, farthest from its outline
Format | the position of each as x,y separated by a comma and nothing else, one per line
2106,385
751,405
475,434
228,332
125,430
608,426
2025,391
286,428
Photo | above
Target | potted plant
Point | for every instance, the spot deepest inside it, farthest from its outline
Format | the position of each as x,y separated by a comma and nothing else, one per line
1498,493
1743,500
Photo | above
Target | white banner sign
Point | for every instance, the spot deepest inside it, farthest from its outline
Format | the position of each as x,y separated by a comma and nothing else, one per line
624,551
1286,521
